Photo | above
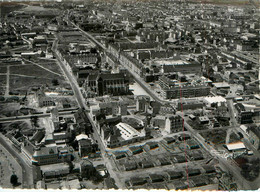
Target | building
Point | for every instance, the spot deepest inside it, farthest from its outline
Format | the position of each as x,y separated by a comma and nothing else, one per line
85,144
142,103
127,132
55,170
43,100
51,155
107,84
243,116
171,89
254,136
174,124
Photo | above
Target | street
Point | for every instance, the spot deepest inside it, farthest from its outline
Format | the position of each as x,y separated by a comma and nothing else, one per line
27,181
82,104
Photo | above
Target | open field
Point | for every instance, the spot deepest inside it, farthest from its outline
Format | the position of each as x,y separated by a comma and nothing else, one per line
32,71
26,76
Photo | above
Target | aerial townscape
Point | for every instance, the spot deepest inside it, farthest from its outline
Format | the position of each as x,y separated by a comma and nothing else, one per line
130,94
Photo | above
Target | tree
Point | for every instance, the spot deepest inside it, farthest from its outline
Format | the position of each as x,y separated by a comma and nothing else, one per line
55,82
14,180
87,169
93,50
34,120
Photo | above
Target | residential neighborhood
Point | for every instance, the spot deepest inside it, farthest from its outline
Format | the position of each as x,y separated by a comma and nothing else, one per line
130,95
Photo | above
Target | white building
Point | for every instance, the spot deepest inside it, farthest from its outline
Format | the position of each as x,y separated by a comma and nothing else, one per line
127,132
217,100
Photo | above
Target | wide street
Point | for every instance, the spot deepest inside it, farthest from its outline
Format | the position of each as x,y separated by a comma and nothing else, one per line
27,175
82,104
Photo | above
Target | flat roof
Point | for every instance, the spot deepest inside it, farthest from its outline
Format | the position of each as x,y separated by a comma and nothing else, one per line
54,167
81,136
127,131
236,146
171,62
216,99
221,85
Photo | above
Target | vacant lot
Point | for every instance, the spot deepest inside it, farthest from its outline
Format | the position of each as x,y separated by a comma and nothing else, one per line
32,71
25,76
217,137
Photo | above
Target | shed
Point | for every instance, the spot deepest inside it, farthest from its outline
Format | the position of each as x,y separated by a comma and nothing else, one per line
198,182
193,144
135,181
209,168
179,159
193,172
184,135
130,166
180,185
136,149
164,161
169,140
151,145
156,178
119,154
174,175
146,164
